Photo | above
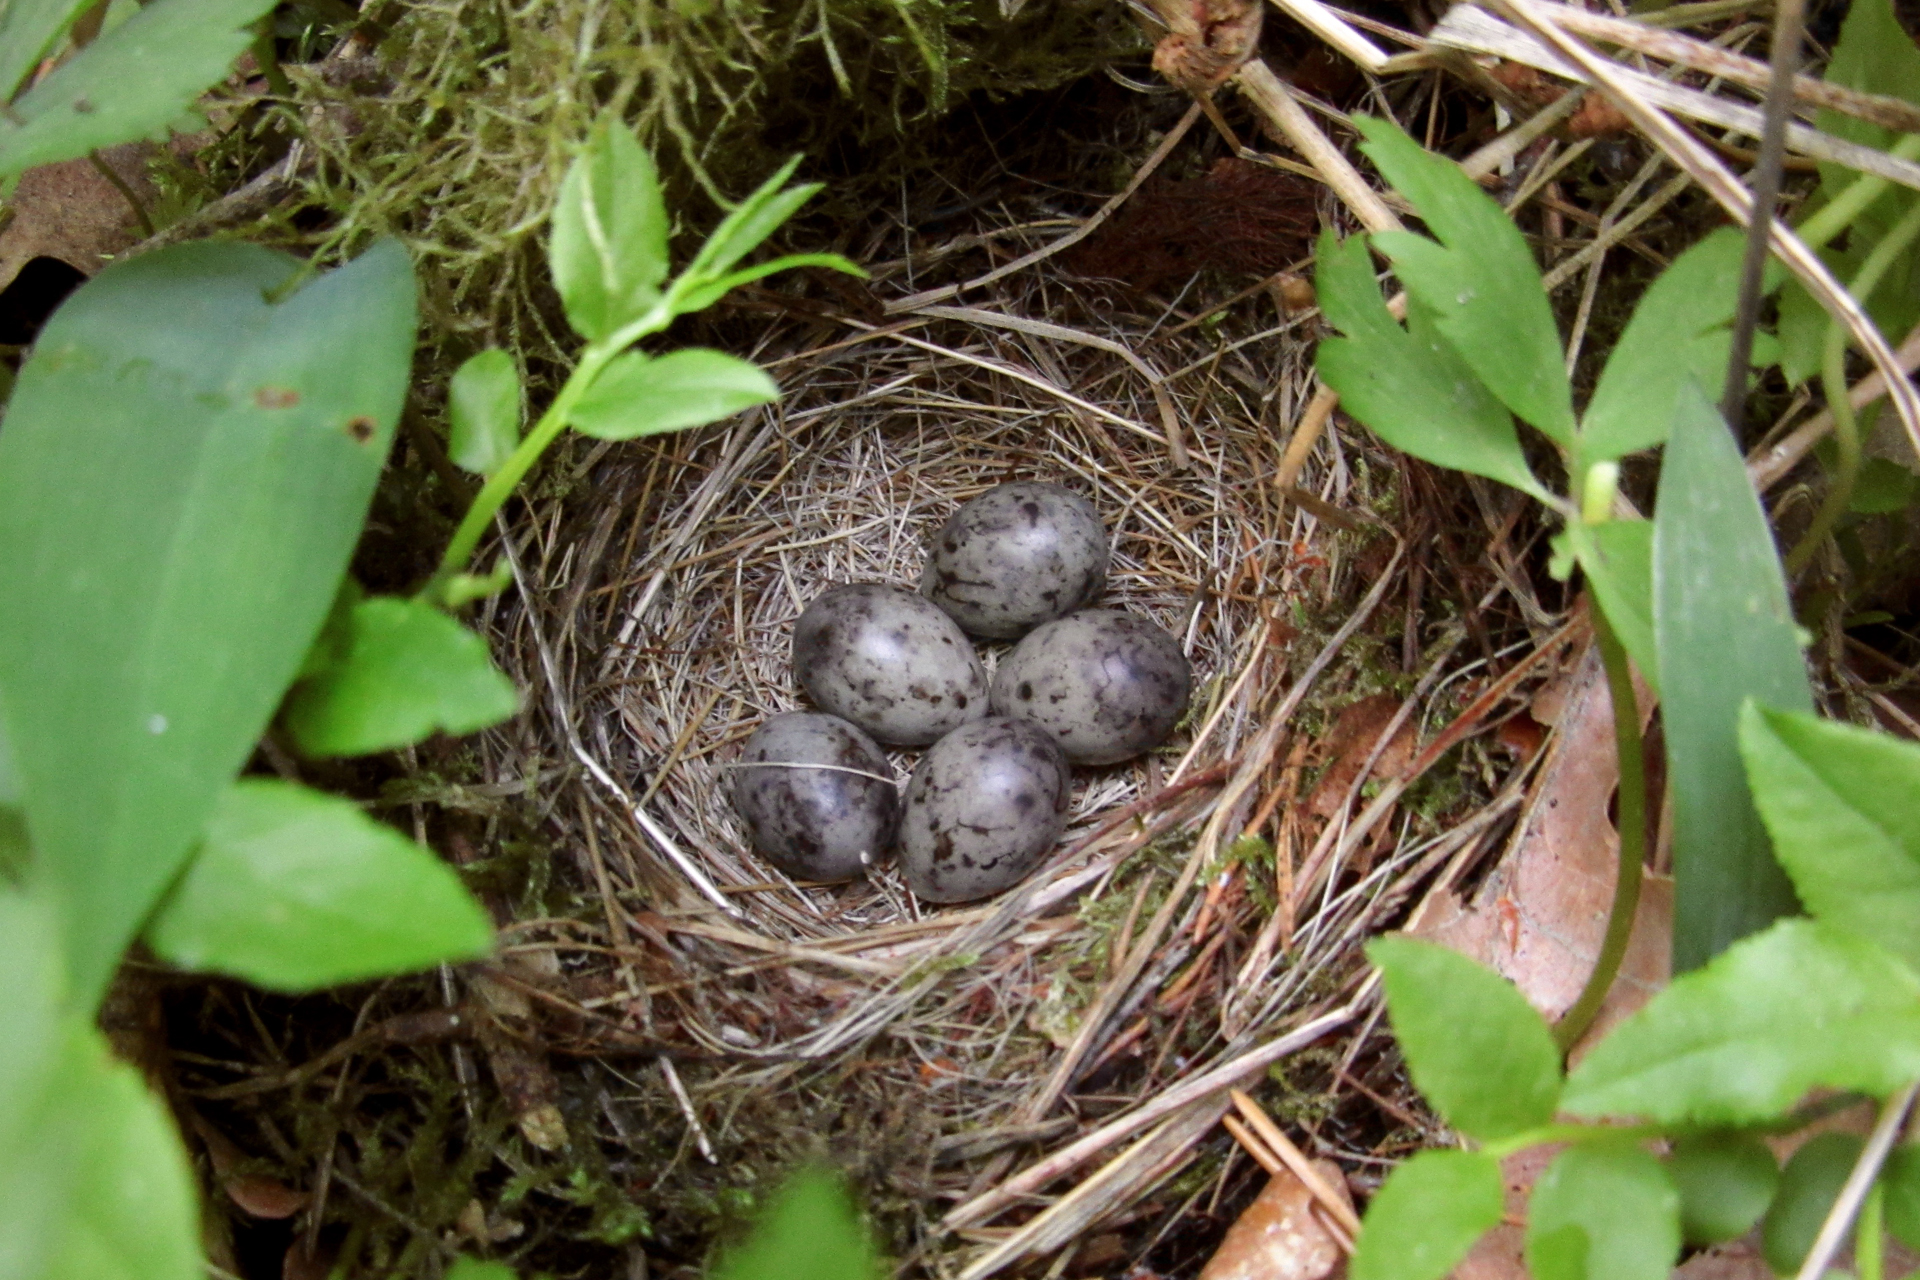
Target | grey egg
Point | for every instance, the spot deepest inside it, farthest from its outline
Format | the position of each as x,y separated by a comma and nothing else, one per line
817,796
1015,557
983,808
889,661
1108,685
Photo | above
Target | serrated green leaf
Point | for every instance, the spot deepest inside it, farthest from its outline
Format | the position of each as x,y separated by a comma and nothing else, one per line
1679,331
1427,1215
640,396
751,222
28,29
608,248
484,408
1800,1006
133,82
1726,1181
184,472
811,1231
1479,279
294,890
1478,1051
1603,1211
1416,395
1809,1185
409,671
93,1182
707,294
1843,807
1724,632
1901,1178
1617,558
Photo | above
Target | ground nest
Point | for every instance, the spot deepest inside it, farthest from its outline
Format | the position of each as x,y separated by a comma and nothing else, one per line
1191,914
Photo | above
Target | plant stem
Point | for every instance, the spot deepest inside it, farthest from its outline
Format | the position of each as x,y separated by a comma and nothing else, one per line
1839,212
1833,377
1501,1148
1869,1258
1633,836
266,54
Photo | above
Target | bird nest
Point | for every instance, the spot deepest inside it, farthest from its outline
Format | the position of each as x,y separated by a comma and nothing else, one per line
1191,928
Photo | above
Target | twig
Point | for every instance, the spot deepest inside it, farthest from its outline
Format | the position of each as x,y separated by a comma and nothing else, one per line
1296,1160
1768,465
1858,1183
1276,105
679,1092
1332,28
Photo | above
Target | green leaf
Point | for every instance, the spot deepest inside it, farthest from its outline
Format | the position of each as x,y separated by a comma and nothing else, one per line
1617,558
1901,1178
94,1184
1427,1216
1726,1182
1809,1185
608,250
132,82
296,890
640,396
409,671
1678,332
1479,280
474,1269
1883,487
184,472
1798,1007
1476,1048
1724,632
484,404
707,294
811,1231
1603,1211
9,770
1843,806
1411,390
751,222
28,29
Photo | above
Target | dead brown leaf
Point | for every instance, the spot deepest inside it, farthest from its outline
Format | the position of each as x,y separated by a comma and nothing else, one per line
70,211
1283,1234
255,1194
1351,741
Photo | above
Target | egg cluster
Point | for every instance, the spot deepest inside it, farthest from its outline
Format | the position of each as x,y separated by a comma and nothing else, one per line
990,795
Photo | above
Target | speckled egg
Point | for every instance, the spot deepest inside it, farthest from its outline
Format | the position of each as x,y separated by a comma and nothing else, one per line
1108,685
889,661
817,796
983,808
1015,557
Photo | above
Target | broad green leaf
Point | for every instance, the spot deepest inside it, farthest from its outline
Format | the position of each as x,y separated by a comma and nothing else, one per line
1901,1178
1603,1211
484,405
1726,1182
641,396
1617,558
1798,1007
1809,1185
28,29
296,889
1479,279
1883,487
1679,331
93,1182
811,1231
707,294
608,249
184,472
474,1269
1843,807
1476,1048
1427,1215
1416,395
751,222
1803,327
1724,632
409,671
133,82
9,770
